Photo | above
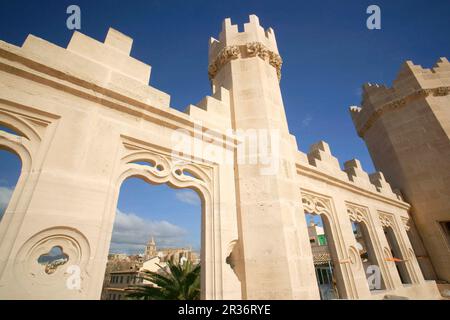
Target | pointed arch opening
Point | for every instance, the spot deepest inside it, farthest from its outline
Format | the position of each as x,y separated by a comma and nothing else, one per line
366,250
10,169
397,256
326,262
155,225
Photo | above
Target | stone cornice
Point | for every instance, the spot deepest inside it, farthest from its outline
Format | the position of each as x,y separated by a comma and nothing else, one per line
252,49
400,103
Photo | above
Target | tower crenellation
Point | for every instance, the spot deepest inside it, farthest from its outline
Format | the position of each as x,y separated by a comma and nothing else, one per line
406,128
253,32
412,82
232,44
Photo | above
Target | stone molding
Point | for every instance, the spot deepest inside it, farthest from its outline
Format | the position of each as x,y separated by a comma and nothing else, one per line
400,103
252,49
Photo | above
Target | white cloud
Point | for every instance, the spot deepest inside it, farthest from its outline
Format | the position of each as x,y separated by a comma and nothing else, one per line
5,195
307,120
131,233
188,196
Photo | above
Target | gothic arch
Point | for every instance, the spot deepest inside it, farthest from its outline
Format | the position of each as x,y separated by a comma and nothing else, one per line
361,215
18,124
23,145
390,223
29,126
320,205
162,168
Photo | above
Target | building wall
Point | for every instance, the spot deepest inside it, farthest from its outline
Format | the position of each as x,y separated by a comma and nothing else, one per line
86,114
407,131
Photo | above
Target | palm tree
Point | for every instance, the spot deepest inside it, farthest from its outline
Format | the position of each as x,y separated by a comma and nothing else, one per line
180,282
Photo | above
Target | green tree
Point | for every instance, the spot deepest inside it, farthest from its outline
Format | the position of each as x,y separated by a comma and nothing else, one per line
179,282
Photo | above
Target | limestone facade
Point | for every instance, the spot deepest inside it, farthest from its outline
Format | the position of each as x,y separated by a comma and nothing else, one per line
86,119
407,131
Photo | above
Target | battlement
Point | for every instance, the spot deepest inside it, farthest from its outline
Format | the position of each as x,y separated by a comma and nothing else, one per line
230,36
412,82
107,68
213,110
105,64
321,159
254,41
114,53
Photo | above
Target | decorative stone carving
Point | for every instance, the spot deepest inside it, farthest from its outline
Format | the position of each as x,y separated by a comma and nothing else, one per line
276,61
53,260
400,103
162,168
405,221
257,49
386,219
316,205
31,272
224,56
356,213
252,49
441,91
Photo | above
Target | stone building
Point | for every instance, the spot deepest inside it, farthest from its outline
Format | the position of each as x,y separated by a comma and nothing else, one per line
118,282
407,131
123,271
118,264
150,250
85,119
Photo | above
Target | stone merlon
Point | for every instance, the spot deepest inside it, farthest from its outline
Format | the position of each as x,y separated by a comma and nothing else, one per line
412,82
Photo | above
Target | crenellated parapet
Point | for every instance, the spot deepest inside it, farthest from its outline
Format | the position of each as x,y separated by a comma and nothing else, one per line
357,175
105,71
412,83
320,156
213,110
101,65
321,161
254,41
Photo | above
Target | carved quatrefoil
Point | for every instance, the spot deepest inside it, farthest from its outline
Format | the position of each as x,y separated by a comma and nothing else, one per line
53,259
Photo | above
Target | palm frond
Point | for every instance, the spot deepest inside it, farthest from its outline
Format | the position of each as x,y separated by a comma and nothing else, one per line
176,282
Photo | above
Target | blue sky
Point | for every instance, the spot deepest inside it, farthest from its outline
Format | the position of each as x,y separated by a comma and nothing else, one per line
327,50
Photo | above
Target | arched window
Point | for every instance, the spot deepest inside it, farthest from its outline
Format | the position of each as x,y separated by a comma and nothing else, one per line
325,259
368,257
10,168
154,224
397,256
